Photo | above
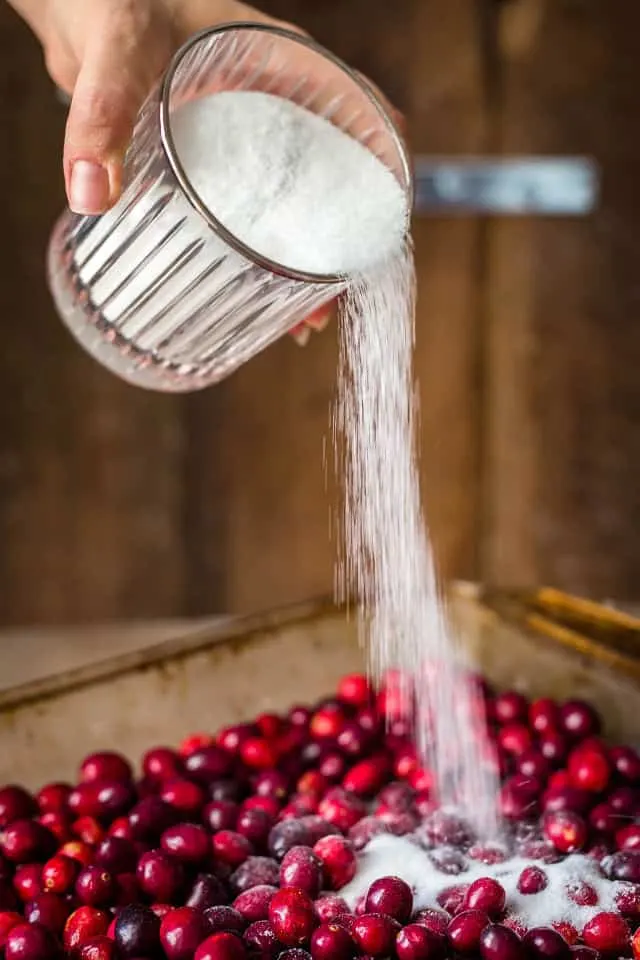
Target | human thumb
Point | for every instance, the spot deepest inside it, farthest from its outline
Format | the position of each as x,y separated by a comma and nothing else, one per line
115,76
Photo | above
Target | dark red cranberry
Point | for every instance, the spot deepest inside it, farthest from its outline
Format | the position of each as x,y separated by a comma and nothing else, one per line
301,868
567,798
221,946
554,747
624,865
59,874
365,830
338,860
137,931
254,904
499,943
221,918
83,924
451,899
150,818
30,941
584,953
188,842
292,916
226,790
329,907
519,797
159,876
625,800
565,830
255,826
295,953
628,838
207,891
49,910
285,835
116,855
416,942
208,764
532,880
98,948
221,815
545,943
8,920
299,716
231,847
26,841
27,881
487,895
510,707
181,933
544,715
8,899
261,939
488,853
628,901
271,783
531,763
578,720
626,763
89,830
465,929
607,933
16,804
330,941
105,766
333,766
184,796
255,871
433,919
391,896
375,934
604,819
127,889
95,887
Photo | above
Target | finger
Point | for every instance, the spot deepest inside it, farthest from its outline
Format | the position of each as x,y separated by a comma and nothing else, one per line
120,63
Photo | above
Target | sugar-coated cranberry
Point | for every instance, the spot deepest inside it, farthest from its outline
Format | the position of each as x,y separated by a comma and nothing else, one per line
137,931
30,941
221,946
26,841
207,891
181,933
623,865
254,904
606,932
365,830
95,886
464,930
221,918
338,860
261,940
547,944
329,907
159,876
221,815
49,910
497,942
532,880
391,896
188,842
628,901
231,847
98,948
285,835
433,919
83,924
301,868
106,765
330,941
487,895
184,796
565,830
255,871
375,934
579,720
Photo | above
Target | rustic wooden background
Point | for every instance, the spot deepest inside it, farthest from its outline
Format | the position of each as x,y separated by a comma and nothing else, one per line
115,503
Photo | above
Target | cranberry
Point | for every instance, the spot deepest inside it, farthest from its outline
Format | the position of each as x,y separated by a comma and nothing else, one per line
433,919
328,721
547,944
365,830
628,838
579,720
589,769
330,941
532,880
116,855
295,953
626,763
30,941
606,932
554,747
186,841
221,946
195,741
162,763
255,826
354,690
565,830
329,907
207,892
628,901
499,943
221,918
88,829
231,847
451,899
487,895
292,916
625,800
518,797
151,817
257,870
635,944
391,896
8,920
338,860
531,763
567,798
95,886
285,835
49,910
584,953
341,808
363,779
261,939
15,804
375,934
510,707
254,904
544,715
624,865
159,876
184,796
98,948
105,766
52,798
258,753
301,868
221,815
59,824
181,932
299,716
231,738
83,924
25,841
208,764
416,942
465,929
27,881
515,738
137,931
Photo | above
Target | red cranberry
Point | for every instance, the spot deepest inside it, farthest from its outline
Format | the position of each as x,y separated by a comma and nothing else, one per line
231,738
433,919
261,939
49,910
332,766
151,817
299,716
208,764
391,896
532,880
330,907
515,738
25,841
95,886
255,871
271,783
554,747
628,838
221,946
416,942
254,904
547,944
183,795
625,800
375,934
531,763
59,874
589,769
365,830
98,948
465,929
624,865
328,721
604,819
338,860
364,779
579,720
353,740
451,899
567,798
518,797
53,797
487,895
499,943
137,931
206,891
27,881
285,835
195,741
258,753
116,855
341,808
330,941
565,830
544,715
487,853
59,824
354,689
301,868
105,766
83,924
231,847
159,876
510,707
292,916
626,763
221,918
181,933
30,941
162,763
88,829
8,920
8,898
186,841
15,804
221,815
606,932
255,826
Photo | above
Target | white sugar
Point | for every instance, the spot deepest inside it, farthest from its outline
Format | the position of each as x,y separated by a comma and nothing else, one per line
404,858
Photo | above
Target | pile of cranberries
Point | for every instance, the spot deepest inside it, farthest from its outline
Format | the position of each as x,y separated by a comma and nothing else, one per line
236,845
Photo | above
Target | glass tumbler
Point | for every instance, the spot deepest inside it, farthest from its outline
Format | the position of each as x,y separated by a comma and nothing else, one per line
158,290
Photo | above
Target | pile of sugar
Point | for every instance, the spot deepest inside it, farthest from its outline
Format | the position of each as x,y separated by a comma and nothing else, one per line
388,559
400,857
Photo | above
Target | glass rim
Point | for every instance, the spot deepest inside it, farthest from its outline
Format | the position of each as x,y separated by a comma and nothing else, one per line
171,152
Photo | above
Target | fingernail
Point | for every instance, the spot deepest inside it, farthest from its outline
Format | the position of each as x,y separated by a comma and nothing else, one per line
89,188
301,337
320,321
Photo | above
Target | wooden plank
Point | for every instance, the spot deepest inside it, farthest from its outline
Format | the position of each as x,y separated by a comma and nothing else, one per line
262,433
563,448
90,469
